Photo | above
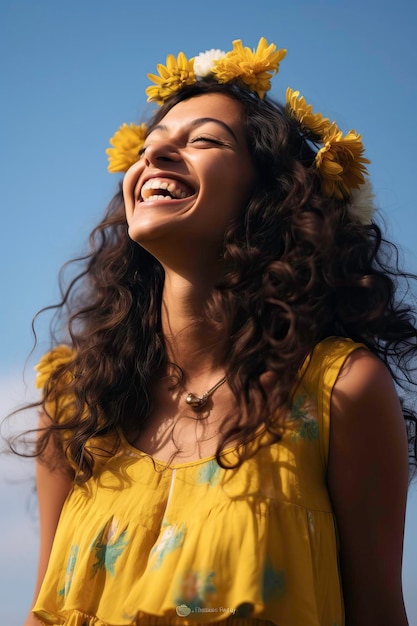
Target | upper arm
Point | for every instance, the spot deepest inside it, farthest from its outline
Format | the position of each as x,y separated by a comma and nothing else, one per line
53,484
368,480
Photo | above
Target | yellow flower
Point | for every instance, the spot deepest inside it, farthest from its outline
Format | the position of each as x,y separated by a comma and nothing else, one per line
298,108
126,142
177,73
252,67
341,163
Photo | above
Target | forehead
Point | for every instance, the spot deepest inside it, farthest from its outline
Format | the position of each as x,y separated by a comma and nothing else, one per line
214,105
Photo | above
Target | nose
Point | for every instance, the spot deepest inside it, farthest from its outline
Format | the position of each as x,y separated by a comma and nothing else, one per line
160,152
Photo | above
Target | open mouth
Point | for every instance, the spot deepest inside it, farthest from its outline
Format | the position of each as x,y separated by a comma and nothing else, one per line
164,189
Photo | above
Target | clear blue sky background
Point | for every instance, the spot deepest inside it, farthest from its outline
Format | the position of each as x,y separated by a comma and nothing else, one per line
72,72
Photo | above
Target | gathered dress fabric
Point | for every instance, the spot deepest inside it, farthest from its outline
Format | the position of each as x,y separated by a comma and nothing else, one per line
148,543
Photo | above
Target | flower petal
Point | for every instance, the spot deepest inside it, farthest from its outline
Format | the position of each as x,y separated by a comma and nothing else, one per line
126,142
177,73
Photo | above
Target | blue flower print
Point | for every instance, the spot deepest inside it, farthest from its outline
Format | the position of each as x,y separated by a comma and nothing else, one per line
69,572
209,473
171,539
297,409
273,583
194,589
306,426
308,430
108,547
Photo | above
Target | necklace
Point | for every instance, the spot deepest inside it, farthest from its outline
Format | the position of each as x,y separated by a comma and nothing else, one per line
197,402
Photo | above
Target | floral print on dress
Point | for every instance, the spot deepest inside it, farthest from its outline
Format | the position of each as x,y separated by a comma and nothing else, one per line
69,572
194,589
307,427
171,539
273,583
209,473
108,546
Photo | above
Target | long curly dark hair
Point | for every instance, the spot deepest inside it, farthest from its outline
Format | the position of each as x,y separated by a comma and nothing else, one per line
298,269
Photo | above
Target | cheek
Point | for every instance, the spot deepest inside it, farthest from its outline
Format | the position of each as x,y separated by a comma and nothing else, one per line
237,185
228,196
232,179
128,187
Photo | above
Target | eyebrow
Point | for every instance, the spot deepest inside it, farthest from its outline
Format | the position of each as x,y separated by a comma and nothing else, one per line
199,122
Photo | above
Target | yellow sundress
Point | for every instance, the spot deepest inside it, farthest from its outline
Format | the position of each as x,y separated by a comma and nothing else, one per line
143,543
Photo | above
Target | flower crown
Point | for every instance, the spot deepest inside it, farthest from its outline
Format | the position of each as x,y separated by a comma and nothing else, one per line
339,158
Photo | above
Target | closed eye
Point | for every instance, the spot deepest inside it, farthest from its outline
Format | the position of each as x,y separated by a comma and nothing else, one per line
208,139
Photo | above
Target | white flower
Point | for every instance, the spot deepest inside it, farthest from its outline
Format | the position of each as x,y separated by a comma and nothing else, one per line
203,64
362,206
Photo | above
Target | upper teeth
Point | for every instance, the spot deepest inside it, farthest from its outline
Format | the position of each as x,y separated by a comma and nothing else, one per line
174,190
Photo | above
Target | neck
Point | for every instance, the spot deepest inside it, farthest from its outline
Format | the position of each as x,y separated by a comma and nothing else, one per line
192,342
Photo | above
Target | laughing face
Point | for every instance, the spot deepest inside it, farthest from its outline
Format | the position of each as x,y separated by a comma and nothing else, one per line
193,178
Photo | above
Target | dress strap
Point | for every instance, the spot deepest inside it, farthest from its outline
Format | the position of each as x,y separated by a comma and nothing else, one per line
319,375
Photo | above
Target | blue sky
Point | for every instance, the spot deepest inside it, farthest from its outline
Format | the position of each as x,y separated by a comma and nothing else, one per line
73,72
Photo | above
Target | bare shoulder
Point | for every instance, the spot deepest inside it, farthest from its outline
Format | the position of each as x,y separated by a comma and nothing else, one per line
365,395
363,373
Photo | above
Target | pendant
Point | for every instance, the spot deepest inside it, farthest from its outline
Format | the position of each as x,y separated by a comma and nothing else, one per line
196,402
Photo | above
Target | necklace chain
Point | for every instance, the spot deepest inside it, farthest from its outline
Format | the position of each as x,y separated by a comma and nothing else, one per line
197,402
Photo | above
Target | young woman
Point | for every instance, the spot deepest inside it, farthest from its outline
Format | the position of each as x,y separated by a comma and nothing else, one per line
221,436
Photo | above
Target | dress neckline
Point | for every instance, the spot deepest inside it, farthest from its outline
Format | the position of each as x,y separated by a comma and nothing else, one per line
230,450
134,451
